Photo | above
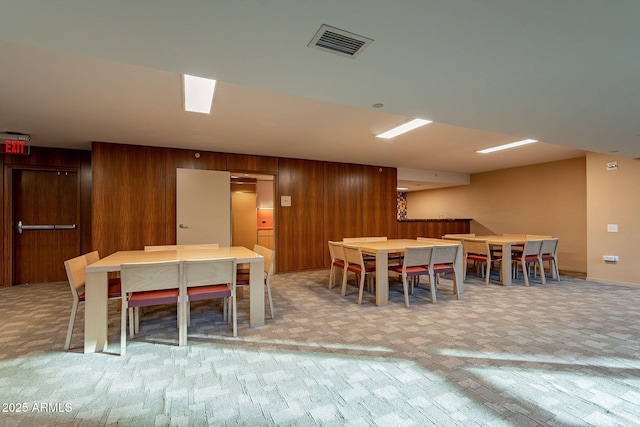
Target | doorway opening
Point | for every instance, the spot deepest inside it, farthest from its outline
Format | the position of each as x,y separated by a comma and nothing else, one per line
252,210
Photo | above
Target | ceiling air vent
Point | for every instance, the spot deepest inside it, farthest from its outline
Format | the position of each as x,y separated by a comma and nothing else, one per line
338,41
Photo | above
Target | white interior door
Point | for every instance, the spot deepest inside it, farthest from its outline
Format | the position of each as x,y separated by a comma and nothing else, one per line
203,211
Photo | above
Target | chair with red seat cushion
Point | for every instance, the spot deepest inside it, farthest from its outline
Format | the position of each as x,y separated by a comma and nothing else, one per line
549,253
114,277
76,273
145,285
337,261
415,264
242,278
212,279
356,264
443,261
479,251
530,254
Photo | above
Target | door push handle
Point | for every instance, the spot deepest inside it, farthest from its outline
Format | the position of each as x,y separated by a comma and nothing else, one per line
183,226
20,227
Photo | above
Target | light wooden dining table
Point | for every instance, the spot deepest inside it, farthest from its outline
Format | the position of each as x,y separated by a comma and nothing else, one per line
95,324
506,243
381,250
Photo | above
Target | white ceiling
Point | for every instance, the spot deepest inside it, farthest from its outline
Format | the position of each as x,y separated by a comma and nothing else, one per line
487,72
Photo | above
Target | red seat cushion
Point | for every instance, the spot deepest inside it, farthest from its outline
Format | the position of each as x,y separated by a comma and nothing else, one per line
115,291
477,257
198,293
548,257
338,263
144,299
411,271
528,258
443,268
355,268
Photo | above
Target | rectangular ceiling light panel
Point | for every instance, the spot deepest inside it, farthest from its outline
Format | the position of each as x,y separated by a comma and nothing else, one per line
399,130
198,94
507,146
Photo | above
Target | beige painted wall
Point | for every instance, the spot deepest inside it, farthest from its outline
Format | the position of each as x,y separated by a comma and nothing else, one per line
549,198
613,197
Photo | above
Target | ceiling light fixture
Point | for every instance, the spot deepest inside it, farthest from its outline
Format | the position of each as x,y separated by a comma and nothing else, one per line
399,130
402,188
506,146
198,94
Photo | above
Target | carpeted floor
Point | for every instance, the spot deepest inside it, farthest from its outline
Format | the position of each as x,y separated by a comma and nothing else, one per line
564,354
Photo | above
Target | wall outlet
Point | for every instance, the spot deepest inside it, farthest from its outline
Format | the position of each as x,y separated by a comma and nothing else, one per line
610,258
612,228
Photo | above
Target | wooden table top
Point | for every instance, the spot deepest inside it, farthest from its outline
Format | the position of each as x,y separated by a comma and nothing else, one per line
115,260
397,245
501,238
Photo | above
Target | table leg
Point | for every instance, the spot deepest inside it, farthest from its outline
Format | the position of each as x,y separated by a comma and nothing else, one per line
506,264
256,293
95,312
459,272
382,278
183,308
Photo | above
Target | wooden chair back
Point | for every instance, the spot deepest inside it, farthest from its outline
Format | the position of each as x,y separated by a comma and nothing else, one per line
476,246
76,273
353,255
92,257
336,251
417,256
532,247
151,276
269,260
210,272
549,247
445,254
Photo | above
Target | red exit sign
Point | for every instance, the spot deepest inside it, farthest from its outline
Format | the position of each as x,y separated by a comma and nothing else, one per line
15,146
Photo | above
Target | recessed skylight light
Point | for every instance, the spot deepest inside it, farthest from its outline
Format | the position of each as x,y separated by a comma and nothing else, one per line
198,94
506,146
399,130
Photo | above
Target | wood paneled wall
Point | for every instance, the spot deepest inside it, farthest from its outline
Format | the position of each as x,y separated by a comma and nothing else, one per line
379,211
299,227
343,196
129,208
432,228
44,159
134,199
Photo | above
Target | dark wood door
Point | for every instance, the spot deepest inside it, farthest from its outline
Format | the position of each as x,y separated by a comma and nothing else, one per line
44,198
